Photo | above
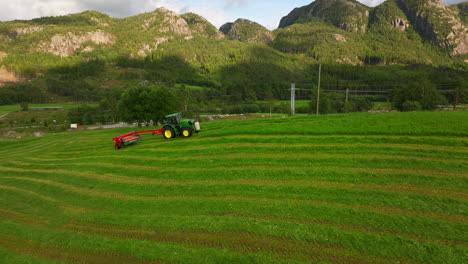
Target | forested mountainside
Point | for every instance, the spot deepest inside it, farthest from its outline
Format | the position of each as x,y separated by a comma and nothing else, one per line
88,55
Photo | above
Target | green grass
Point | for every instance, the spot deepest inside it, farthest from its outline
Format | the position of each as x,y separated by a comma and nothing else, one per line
5,109
191,87
357,188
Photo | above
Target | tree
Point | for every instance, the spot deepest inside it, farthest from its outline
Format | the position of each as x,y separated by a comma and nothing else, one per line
24,106
109,106
423,92
145,104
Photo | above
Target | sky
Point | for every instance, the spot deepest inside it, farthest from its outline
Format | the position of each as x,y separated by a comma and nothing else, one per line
266,12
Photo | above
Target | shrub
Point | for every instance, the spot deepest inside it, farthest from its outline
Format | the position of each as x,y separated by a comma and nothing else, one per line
362,104
411,106
326,106
24,106
283,108
424,92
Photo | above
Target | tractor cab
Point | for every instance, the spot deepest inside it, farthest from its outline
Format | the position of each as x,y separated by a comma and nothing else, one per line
176,126
173,119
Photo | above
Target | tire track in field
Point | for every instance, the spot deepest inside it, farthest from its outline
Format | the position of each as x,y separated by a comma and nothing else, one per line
243,242
394,187
115,195
38,221
70,255
289,145
348,228
22,218
65,206
441,173
188,147
383,136
268,155
42,147
326,155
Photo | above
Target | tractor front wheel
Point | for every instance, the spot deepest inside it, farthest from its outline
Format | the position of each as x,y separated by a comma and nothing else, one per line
186,132
168,132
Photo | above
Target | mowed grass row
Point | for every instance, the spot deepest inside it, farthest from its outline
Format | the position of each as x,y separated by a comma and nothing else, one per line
357,188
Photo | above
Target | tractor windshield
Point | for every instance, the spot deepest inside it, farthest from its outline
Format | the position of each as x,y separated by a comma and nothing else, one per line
173,119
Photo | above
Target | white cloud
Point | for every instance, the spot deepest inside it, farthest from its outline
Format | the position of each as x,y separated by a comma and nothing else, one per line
28,9
371,2
236,3
217,12
377,2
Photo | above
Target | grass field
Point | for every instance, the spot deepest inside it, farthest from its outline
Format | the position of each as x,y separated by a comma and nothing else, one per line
358,188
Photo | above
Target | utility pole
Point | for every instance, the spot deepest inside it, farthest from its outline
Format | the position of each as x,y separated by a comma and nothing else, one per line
318,90
293,98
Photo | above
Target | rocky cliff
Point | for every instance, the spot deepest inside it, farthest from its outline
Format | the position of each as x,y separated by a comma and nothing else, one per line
438,23
389,15
442,25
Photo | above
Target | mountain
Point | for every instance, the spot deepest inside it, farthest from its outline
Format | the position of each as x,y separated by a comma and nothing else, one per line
85,32
247,31
431,19
438,23
349,15
88,55
462,8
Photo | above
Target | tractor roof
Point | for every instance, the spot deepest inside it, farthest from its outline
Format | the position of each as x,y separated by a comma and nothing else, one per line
172,115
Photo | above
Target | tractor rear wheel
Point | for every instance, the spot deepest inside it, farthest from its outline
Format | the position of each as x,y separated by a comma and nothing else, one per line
168,132
186,132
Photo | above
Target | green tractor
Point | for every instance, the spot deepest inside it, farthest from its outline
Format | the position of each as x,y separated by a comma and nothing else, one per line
176,126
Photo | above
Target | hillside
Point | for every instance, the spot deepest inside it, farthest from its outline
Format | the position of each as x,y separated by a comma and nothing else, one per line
349,15
91,56
247,31
430,18
438,23
360,188
463,11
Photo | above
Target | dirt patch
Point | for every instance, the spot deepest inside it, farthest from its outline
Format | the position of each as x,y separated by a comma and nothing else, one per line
7,76
38,134
26,30
65,45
